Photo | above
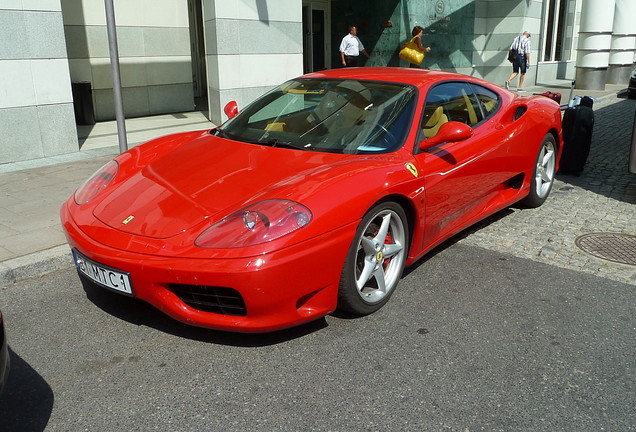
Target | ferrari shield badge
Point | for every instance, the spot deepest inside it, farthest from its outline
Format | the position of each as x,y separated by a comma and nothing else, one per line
412,169
127,220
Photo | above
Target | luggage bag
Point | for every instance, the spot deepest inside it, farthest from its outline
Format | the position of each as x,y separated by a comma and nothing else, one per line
578,124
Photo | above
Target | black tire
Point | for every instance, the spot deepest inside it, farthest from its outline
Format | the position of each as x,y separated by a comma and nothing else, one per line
375,261
543,173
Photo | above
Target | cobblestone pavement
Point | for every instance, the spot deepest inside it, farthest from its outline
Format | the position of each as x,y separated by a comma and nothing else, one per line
602,199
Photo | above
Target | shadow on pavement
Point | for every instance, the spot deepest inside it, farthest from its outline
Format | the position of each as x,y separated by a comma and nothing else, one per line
138,312
501,214
27,401
605,172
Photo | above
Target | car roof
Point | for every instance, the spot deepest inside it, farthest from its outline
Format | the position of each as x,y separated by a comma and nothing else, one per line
417,77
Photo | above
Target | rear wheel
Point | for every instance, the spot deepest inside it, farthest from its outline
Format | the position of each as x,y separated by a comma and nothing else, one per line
543,173
375,260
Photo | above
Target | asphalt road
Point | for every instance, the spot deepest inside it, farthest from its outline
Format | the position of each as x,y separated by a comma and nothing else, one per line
472,340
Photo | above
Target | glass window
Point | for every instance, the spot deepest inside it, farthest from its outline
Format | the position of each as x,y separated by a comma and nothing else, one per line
338,116
559,30
453,101
488,100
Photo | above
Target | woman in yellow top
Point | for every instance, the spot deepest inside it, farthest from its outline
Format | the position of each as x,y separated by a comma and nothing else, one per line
417,33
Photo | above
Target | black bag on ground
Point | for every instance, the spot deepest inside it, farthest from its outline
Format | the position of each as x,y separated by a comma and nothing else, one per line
578,123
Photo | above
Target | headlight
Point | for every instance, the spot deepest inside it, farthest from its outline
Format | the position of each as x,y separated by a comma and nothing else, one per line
96,183
258,223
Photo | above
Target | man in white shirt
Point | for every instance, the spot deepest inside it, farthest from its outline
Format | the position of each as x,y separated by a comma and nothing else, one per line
351,47
521,62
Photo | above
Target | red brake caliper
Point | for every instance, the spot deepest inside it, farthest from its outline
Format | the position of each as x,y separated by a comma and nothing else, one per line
387,240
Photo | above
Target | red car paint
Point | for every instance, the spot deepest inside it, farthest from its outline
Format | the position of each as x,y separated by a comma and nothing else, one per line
176,187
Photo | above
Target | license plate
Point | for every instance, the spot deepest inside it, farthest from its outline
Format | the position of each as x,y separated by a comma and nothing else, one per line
105,276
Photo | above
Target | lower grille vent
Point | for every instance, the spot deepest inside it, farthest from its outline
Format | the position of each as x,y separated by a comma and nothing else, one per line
220,300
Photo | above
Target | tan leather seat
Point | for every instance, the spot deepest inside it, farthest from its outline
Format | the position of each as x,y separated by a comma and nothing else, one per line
472,115
276,126
438,118
490,105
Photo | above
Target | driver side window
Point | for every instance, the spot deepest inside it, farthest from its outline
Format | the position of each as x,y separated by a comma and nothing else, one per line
452,101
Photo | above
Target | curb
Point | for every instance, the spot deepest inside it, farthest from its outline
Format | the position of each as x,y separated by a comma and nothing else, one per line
34,265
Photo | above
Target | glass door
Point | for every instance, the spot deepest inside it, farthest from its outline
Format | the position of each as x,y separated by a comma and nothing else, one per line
316,35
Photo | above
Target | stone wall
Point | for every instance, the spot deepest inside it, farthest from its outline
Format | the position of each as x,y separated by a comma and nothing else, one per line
466,36
251,46
153,37
36,105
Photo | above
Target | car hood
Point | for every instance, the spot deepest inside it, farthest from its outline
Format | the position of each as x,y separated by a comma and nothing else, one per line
207,179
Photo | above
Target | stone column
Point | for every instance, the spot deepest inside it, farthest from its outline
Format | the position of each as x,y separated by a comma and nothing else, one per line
251,46
595,40
623,48
36,103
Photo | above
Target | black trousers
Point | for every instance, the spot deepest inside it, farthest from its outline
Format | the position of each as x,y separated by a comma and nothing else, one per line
351,61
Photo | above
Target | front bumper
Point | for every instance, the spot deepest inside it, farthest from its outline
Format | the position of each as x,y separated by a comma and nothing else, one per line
280,289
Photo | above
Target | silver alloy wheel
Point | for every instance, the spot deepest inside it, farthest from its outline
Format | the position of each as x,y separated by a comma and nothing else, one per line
380,256
544,174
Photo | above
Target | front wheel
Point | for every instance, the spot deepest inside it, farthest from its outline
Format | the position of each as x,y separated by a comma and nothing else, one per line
375,260
543,173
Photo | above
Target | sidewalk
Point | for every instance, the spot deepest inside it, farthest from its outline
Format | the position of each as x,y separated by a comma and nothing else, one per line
32,242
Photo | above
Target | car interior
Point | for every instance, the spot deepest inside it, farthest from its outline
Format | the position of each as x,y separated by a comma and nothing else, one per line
455,101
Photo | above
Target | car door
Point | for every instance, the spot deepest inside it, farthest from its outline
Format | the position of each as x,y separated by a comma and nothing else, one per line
460,177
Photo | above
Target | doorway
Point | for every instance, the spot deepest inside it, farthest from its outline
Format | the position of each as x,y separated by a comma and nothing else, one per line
197,51
316,35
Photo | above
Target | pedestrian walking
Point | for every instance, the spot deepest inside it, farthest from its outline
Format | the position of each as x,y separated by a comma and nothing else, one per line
417,33
520,59
351,47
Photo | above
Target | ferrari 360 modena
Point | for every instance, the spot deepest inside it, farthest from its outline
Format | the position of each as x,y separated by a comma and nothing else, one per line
311,199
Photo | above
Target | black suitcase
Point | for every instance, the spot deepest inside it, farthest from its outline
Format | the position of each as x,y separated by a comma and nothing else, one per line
578,123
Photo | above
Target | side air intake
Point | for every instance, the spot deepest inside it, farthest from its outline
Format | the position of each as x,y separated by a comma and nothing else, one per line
519,112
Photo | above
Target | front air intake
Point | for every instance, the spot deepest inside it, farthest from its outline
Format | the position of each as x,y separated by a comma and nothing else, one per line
219,300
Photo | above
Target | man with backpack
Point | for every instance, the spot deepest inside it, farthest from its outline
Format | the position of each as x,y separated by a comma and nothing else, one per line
520,61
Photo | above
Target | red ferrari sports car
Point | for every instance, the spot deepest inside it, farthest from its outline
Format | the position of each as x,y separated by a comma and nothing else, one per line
312,198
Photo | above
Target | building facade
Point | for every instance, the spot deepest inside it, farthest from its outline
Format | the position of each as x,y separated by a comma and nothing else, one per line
176,55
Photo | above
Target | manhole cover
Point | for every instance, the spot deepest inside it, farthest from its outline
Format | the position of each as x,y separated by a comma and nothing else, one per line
620,248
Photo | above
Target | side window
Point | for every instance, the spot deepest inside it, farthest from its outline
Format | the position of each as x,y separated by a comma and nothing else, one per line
453,101
434,111
488,100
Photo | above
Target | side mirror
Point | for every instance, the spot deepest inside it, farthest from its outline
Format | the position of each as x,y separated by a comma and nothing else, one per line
451,131
231,109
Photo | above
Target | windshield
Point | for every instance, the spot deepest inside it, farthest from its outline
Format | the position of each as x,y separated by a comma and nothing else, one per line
337,116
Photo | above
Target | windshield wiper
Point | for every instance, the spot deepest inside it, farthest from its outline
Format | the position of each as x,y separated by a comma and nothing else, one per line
274,142
220,133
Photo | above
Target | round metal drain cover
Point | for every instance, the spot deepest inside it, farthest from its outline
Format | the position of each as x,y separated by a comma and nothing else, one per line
620,248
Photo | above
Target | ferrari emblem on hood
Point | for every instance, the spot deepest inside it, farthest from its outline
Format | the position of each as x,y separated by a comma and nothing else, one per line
128,219
412,169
